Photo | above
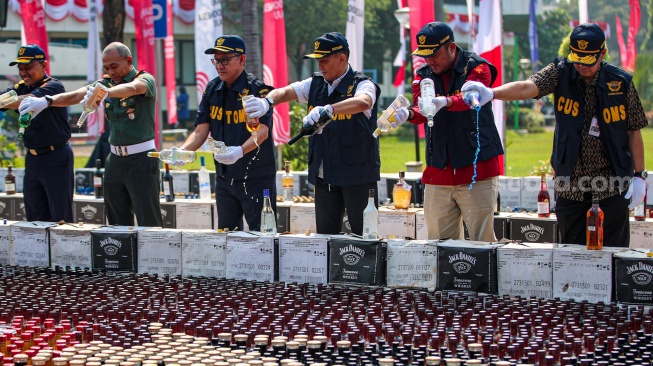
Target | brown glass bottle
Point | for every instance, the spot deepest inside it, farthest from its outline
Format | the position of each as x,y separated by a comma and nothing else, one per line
10,181
594,233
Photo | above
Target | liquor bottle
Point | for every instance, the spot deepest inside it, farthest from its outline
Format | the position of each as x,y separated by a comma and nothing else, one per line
252,124
217,147
427,91
472,99
640,211
8,98
171,156
10,181
99,91
98,179
309,130
387,117
370,218
595,225
543,199
168,187
401,193
287,182
497,208
24,121
268,220
205,183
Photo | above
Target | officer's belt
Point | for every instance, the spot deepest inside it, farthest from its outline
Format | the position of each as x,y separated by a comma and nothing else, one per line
45,150
126,150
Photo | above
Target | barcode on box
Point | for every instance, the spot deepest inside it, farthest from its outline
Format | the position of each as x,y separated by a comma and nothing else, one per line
313,280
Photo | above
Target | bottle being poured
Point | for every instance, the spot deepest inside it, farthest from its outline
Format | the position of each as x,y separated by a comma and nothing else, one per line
99,93
384,123
427,107
472,99
252,124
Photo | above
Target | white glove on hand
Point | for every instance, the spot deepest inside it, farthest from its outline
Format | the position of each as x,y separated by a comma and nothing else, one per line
257,107
401,116
177,162
486,93
439,102
637,191
233,154
32,105
314,115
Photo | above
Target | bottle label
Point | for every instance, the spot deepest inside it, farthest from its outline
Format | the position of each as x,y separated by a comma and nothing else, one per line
406,186
10,187
591,228
640,210
543,208
97,181
166,189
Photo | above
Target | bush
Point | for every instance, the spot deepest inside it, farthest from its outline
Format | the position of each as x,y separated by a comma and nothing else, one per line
296,153
531,121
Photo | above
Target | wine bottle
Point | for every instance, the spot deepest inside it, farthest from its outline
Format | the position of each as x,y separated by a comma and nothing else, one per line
168,187
543,199
309,130
594,231
98,179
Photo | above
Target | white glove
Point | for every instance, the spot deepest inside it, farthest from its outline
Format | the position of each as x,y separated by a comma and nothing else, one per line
257,107
486,93
314,115
637,191
89,92
177,162
400,116
439,102
233,154
32,105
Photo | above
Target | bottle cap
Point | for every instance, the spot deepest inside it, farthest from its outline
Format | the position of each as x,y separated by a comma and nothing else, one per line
202,161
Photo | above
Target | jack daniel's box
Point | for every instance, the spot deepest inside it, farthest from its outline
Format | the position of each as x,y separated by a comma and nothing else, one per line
5,241
89,210
306,188
526,269
30,246
357,261
114,248
159,251
633,277
532,229
283,217
169,214
303,258
412,264
501,224
84,179
581,274
70,245
6,207
252,257
467,266
204,253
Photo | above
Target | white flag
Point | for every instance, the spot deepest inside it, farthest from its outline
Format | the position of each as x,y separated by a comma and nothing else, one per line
583,13
355,33
95,121
208,27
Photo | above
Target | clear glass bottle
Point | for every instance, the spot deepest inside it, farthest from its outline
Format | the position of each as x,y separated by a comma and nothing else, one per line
427,91
99,91
171,156
543,199
10,181
98,179
594,231
287,182
640,210
401,193
168,186
370,218
205,182
8,98
387,117
268,219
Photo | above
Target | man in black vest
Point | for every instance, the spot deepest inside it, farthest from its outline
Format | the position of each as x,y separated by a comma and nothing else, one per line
598,146
453,156
343,160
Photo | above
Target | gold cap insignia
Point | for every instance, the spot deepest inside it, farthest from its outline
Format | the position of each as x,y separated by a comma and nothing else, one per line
220,41
21,51
317,45
582,44
422,39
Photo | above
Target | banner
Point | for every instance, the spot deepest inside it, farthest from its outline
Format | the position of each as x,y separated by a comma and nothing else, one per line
421,13
144,29
488,46
170,69
275,64
208,27
94,70
33,30
532,35
400,59
583,13
623,53
355,33
633,28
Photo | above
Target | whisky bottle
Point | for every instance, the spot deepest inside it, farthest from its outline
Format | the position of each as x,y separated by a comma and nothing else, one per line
401,193
10,181
595,225
287,182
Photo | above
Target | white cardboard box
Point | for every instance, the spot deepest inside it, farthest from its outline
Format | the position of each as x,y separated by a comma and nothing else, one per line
204,253
421,233
159,251
194,214
6,239
525,270
303,258
581,274
250,257
70,245
302,218
641,234
395,223
510,192
412,264
30,246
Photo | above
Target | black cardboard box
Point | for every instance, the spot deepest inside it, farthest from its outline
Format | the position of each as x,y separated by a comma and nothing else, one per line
357,261
169,214
633,277
467,266
283,217
532,229
115,248
89,210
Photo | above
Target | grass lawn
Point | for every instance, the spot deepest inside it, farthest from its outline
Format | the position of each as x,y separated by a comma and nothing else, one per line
525,152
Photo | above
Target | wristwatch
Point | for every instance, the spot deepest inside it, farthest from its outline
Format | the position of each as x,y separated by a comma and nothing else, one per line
270,101
49,99
643,174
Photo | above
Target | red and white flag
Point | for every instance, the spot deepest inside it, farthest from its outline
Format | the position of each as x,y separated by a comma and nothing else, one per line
275,64
170,69
400,59
633,28
421,13
208,27
94,71
144,29
583,13
623,53
355,33
488,46
33,25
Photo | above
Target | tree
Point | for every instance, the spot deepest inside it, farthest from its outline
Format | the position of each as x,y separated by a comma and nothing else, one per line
251,36
113,21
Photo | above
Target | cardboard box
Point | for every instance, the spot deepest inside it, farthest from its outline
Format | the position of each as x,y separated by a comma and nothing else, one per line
532,229
509,192
169,214
194,214
581,274
303,259
525,270
382,190
70,245
115,248
180,181
412,264
421,233
84,180
467,266
302,218
641,234
395,223
31,245
89,210
6,239
501,225
159,251
19,208
7,206
204,253
252,257
283,217
357,261
633,277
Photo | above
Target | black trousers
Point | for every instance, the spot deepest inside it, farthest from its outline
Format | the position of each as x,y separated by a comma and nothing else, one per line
243,197
572,219
331,202
48,185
